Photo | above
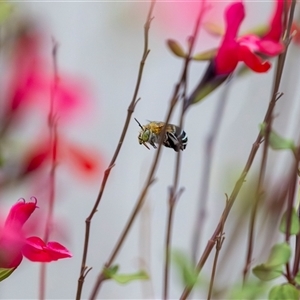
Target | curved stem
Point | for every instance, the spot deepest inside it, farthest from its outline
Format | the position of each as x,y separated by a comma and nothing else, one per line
53,144
239,183
205,177
130,110
173,194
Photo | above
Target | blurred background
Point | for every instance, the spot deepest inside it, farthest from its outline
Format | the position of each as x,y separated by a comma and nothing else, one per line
100,48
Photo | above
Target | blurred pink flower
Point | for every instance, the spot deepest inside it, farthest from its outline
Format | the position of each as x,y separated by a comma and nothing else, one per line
14,245
86,162
31,80
83,161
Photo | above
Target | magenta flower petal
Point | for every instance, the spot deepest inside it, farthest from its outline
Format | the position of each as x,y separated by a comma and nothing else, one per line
57,251
276,24
261,46
234,16
253,61
35,249
19,214
270,48
11,235
226,59
10,250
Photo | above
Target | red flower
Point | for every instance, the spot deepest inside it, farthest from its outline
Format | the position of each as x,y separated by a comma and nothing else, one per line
247,48
14,245
84,162
35,249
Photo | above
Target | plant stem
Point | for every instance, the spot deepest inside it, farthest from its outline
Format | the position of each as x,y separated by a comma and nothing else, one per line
258,194
173,194
219,243
251,157
171,206
231,200
150,179
131,107
205,177
53,144
290,207
297,251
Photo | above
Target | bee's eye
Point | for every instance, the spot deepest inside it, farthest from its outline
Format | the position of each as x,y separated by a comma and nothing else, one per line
145,135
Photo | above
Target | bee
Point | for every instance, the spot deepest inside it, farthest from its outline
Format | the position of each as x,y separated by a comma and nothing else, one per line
174,137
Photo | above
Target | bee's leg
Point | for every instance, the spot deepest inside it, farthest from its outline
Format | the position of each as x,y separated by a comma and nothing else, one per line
151,142
153,145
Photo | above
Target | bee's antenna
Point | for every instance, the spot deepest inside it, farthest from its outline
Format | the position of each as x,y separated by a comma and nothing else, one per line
139,123
146,146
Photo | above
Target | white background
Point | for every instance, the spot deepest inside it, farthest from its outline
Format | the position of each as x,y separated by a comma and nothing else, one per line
103,42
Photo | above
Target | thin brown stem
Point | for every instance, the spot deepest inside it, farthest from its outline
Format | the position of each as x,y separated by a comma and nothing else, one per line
297,243
219,243
130,110
239,183
297,248
172,202
53,144
138,204
173,194
225,213
150,179
257,198
290,207
207,168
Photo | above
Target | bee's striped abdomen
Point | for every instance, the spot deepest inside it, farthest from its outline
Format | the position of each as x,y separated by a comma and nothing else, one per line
177,140
183,138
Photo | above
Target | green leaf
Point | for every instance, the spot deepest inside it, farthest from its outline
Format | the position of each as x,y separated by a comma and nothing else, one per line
186,270
250,290
206,55
206,89
5,11
214,29
295,225
4,273
267,273
280,254
276,141
297,278
259,30
284,292
126,278
111,271
176,48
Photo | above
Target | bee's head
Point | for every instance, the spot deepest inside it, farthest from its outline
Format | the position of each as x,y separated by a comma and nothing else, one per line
143,135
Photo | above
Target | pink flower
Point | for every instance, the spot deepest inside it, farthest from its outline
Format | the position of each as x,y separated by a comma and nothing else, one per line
14,245
248,48
30,81
83,161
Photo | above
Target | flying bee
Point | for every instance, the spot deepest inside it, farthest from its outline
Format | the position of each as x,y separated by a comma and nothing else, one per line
151,133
